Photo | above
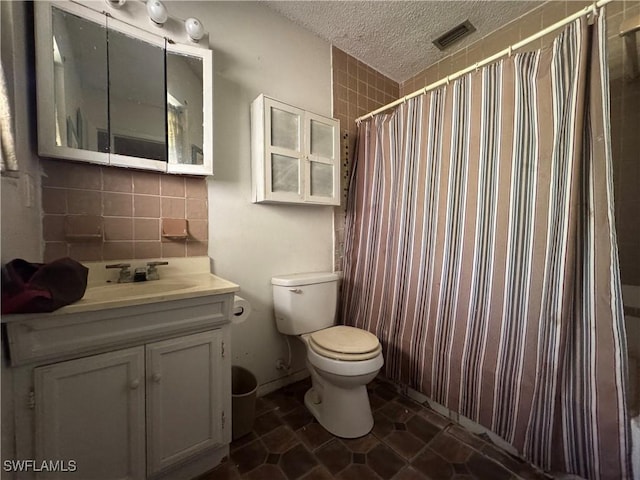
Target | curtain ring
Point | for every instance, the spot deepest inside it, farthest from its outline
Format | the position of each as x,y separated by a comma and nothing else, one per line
510,50
477,66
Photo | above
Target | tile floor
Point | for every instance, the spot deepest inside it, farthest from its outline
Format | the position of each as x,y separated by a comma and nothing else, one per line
408,441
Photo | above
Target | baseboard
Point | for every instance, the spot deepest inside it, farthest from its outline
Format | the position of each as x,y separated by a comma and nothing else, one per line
194,467
274,385
467,423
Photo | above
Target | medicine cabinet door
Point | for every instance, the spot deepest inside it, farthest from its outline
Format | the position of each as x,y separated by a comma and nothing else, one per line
113,93
189,104
72,78
137,106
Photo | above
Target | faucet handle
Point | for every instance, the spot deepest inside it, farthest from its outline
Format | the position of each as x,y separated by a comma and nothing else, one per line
155,264
122,266
124,274
152,271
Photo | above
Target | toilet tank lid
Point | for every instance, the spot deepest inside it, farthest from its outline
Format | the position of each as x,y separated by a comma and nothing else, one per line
299,279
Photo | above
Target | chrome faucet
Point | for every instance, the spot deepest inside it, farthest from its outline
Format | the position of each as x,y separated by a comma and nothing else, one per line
124,274
152,271
140,274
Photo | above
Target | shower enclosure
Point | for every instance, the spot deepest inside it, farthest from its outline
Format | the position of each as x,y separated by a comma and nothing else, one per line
624,58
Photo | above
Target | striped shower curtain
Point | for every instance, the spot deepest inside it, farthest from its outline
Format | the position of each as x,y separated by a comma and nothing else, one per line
481,250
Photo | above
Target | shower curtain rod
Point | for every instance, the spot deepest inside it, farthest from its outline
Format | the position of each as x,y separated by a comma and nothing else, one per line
593,8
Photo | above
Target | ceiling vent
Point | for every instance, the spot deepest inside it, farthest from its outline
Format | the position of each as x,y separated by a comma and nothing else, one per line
452,36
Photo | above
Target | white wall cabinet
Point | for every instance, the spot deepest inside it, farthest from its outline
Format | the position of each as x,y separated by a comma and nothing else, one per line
111,92
295,154
142,392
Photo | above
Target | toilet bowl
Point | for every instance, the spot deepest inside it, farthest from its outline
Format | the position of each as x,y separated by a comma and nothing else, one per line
338,398
342,360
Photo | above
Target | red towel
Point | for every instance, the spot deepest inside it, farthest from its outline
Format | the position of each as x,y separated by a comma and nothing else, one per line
41,287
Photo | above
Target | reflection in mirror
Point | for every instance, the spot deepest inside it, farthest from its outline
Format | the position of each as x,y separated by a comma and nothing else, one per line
185,115
137,98
80,81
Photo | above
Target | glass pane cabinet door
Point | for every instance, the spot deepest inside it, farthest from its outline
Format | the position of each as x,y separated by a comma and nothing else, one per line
294,154
79,81
322,140
285,174
321,179
323,175
283,136
285,129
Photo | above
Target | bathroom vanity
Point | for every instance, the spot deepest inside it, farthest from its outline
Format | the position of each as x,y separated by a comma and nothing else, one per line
131,382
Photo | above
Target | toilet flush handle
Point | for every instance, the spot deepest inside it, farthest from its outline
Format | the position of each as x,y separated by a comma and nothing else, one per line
295,290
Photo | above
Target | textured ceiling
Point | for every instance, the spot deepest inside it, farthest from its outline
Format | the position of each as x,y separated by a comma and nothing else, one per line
394,37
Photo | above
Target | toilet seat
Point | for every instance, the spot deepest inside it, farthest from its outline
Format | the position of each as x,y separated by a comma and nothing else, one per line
345,343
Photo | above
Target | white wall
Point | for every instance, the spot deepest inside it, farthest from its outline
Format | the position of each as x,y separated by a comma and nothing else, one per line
257,51
20,208
21,223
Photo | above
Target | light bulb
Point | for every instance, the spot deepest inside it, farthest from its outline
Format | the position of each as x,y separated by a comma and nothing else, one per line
157,12
194,28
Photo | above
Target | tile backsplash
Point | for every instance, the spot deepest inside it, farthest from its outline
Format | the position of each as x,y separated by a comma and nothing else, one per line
93,213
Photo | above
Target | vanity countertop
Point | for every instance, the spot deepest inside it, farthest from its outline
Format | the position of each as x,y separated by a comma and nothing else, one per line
184,279
98,297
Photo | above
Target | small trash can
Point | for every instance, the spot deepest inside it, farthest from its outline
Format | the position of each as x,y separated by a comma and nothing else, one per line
243,401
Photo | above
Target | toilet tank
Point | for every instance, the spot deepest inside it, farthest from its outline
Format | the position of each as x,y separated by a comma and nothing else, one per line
305,302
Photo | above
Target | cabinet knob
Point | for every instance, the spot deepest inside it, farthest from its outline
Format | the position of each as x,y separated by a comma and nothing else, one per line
134,384
156,377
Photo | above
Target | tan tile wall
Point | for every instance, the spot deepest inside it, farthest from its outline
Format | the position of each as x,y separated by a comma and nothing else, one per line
625,106
116,214
357,90
537,19
625,121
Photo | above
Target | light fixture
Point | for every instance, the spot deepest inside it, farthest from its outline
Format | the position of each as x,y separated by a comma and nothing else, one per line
157,12
115,3
194,29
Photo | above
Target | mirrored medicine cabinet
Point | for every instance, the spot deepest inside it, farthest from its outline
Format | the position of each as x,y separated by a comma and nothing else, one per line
112,93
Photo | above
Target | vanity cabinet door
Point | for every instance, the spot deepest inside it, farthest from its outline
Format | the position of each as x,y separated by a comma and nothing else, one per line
184,398
91,411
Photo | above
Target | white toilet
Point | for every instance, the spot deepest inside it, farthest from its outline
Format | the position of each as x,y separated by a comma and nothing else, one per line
342,360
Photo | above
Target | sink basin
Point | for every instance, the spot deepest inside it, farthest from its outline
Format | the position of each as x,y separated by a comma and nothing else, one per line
135,289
